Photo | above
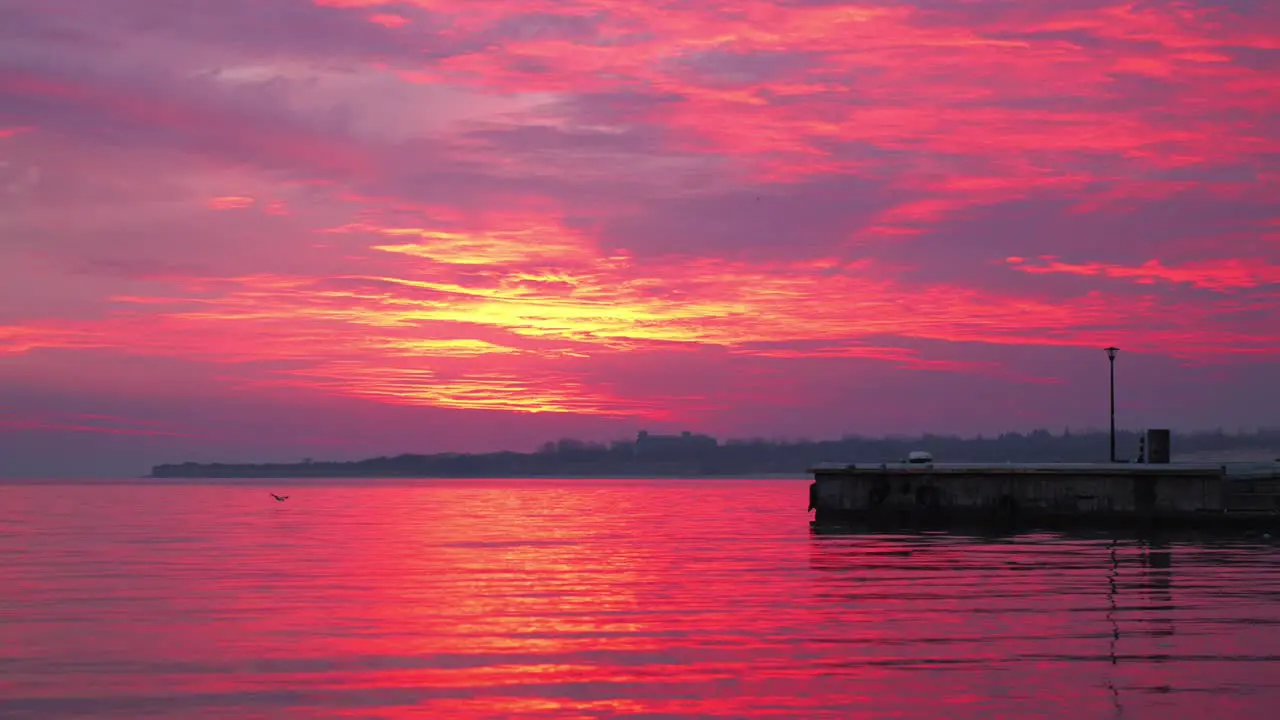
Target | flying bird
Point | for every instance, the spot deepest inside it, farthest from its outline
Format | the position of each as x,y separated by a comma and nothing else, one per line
280,498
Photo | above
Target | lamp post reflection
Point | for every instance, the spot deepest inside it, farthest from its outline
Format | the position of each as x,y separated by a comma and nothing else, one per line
1112,576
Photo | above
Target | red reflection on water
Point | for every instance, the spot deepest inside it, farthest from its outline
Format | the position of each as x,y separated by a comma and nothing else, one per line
515,599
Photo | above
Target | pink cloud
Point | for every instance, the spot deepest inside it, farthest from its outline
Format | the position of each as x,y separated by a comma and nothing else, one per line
85,423
230,202
486,319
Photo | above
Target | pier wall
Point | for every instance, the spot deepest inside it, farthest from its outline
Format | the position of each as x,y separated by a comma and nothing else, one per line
1107,492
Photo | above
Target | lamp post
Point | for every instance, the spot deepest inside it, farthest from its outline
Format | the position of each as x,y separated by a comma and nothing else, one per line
1111,358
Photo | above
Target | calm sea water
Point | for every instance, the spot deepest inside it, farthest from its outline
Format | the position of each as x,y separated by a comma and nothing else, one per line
602,599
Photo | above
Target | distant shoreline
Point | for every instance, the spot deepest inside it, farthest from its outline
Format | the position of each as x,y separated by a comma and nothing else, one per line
303,478
693,456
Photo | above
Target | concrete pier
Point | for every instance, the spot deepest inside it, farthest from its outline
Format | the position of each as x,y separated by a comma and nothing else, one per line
1054,493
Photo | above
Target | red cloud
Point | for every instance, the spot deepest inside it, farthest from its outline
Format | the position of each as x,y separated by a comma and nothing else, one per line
1221,275
453,240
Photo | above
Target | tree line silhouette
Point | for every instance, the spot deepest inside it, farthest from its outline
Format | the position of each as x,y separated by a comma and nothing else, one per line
694,455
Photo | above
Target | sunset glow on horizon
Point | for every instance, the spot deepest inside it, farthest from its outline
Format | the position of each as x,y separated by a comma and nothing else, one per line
248,229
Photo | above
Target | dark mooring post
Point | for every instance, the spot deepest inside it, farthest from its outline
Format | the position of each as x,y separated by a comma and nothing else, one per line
1111,358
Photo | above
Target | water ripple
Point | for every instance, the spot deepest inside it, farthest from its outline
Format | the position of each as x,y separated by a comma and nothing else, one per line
603,599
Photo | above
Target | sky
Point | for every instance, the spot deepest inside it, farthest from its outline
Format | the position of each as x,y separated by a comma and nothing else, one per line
276,229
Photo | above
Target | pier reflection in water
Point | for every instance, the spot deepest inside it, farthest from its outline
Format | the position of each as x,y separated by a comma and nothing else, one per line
650,599
1092,624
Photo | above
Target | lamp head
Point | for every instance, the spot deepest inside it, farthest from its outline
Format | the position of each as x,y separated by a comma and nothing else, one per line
1111,352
